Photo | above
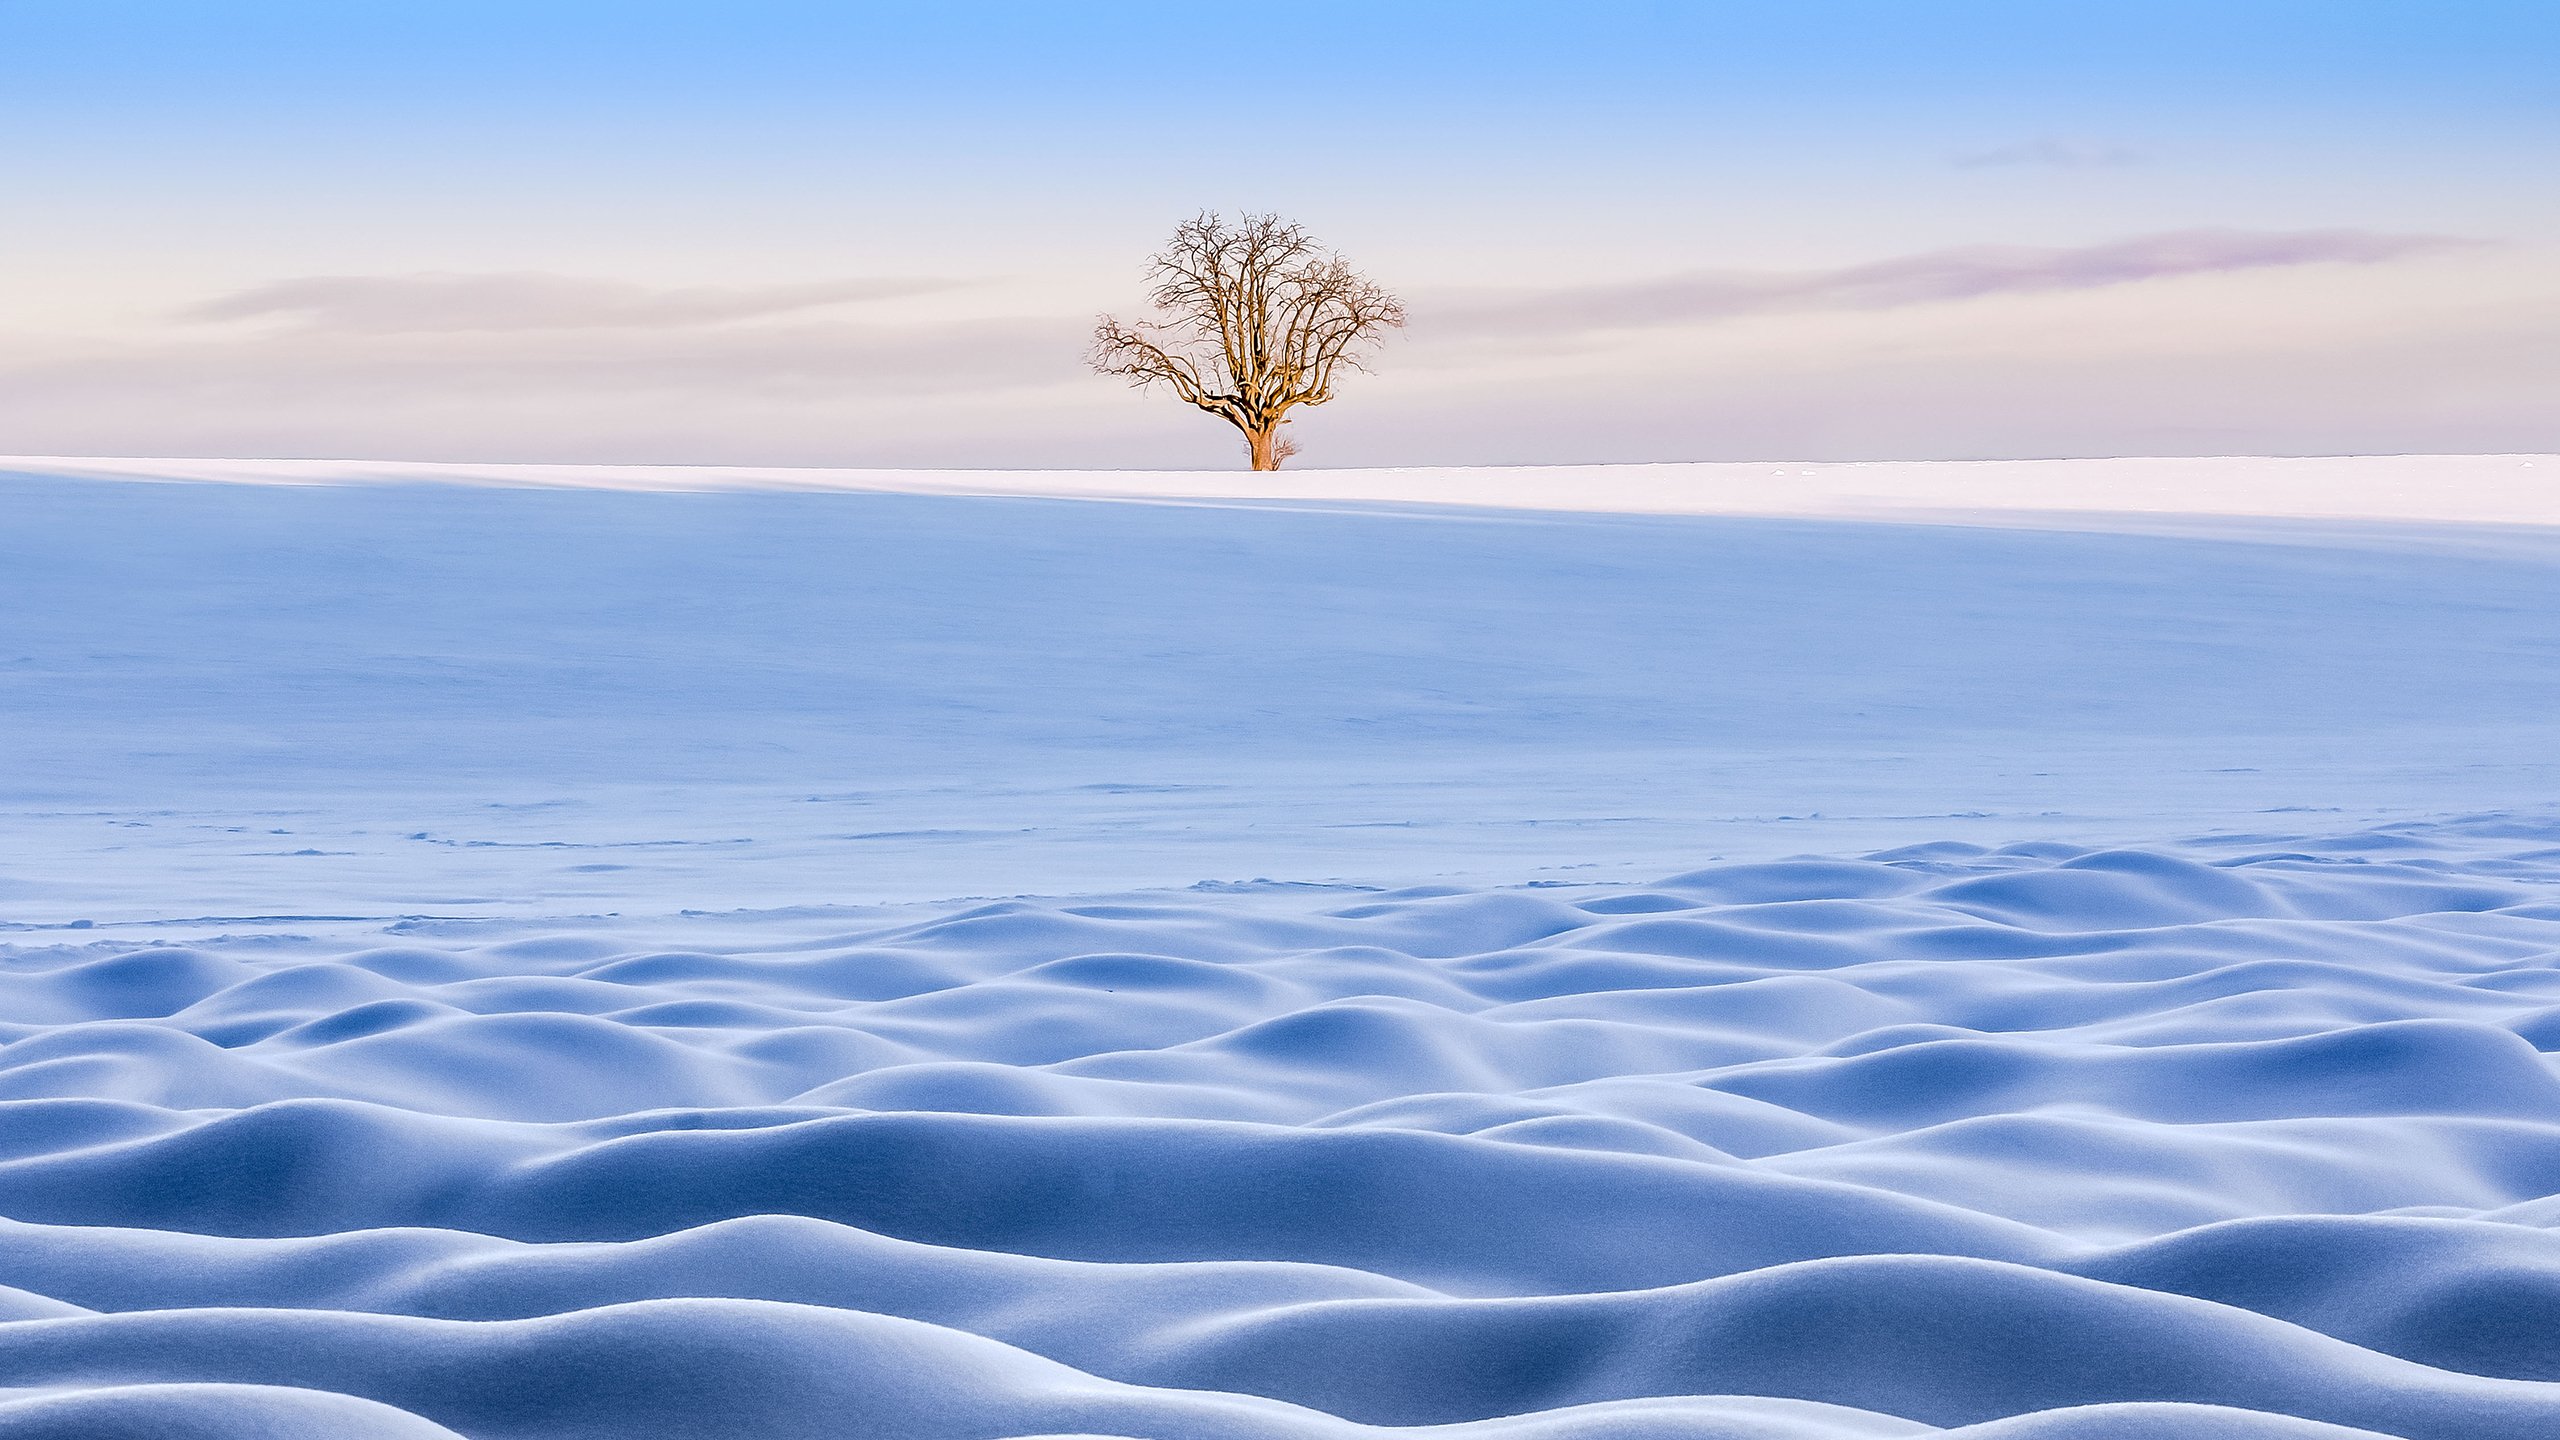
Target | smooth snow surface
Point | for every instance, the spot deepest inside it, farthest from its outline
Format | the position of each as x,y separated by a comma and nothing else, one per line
2432,489
234,701
1416,1017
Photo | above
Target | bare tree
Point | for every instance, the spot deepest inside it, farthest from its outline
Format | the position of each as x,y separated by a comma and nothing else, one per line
1253,319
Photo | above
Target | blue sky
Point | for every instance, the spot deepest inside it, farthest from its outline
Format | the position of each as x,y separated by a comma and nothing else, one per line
848,233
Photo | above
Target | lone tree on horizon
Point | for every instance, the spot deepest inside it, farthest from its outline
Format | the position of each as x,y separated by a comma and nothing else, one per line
1253,319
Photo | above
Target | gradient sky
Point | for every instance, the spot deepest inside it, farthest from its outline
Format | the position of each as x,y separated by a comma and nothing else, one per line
755,231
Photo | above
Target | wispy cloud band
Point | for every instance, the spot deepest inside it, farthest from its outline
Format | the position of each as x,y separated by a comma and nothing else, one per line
430,303
1965,273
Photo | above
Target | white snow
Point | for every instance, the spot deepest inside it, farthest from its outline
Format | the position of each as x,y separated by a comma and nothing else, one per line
237,701
1772,976
2427,489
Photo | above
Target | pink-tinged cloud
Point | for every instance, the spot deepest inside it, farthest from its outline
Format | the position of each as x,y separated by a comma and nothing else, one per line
431,303
1966,273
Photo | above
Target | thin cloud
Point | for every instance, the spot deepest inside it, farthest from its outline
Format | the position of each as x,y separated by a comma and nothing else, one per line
446,303
1972,272
2053,154
814,357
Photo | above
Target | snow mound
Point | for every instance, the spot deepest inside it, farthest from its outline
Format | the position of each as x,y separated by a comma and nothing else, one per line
2246,1139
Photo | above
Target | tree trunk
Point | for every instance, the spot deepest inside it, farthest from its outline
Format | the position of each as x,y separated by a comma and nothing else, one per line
1265,445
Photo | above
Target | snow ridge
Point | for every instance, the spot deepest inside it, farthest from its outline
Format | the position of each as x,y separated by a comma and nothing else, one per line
2253,1138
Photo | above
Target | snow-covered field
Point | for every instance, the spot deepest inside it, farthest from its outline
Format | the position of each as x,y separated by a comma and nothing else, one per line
502,961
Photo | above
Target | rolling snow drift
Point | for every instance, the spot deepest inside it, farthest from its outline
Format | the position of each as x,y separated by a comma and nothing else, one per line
2246,1140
